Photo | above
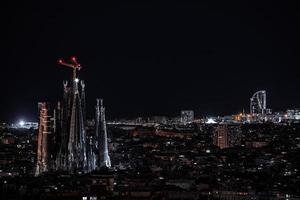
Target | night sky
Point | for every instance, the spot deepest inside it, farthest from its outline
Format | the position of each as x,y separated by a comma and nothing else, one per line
151,59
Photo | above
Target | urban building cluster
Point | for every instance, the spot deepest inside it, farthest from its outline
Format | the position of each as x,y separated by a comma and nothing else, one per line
251,155
176,161
258,113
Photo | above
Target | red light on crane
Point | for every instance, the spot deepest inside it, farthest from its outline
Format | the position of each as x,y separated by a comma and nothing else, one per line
73,63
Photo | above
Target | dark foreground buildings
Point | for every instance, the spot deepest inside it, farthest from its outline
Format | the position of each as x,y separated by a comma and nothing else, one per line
165,162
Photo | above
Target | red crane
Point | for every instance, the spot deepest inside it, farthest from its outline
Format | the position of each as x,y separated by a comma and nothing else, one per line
73,64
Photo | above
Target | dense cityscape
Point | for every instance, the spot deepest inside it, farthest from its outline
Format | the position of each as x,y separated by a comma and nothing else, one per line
253,155
167,100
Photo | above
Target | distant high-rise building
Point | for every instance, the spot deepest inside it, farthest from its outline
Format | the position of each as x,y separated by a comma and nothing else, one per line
235,135
221,136
258,103
226,136
293,114
187,116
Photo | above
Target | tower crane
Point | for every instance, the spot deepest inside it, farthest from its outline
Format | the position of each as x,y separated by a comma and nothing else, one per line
73,64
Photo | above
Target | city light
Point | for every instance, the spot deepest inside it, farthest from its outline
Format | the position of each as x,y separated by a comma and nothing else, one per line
21,123
210,121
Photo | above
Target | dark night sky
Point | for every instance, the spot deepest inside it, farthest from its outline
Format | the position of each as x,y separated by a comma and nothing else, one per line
151,59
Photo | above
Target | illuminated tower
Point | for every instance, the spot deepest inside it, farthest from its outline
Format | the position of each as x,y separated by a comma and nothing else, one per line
258,103
76,147
54,139
42,147
101,134
90,144
62,158
68,148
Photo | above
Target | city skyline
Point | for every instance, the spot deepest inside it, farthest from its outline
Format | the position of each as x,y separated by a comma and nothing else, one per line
150,101
204,57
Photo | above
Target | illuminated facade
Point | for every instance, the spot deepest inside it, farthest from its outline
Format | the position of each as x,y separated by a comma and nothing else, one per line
42,146
221,136
226,136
